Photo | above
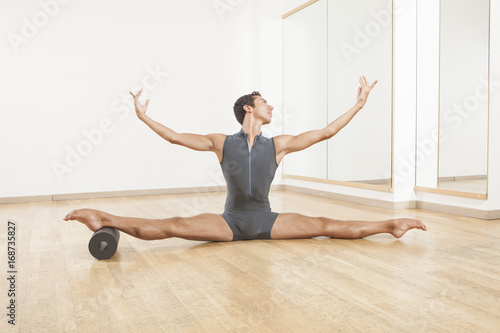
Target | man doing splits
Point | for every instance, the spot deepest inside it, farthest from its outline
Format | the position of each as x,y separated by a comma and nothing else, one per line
249,162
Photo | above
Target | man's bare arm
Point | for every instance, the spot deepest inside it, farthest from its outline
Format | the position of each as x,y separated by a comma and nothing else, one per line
286,144
210,142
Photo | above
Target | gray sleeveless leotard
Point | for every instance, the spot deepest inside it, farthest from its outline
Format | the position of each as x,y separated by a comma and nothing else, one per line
248,177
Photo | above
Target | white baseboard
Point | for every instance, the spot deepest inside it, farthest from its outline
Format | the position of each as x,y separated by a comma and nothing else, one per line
462,211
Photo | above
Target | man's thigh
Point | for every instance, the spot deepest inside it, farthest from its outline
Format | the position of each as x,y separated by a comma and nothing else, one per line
291,225
203,227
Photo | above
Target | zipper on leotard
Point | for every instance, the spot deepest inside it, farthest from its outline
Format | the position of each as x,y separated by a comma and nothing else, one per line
249,165
250,171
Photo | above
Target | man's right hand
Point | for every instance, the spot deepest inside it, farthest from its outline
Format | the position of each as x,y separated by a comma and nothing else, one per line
140,109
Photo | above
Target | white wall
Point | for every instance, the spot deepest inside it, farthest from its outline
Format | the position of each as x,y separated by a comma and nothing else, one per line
68,125
426,158
494,133
289,5
404,100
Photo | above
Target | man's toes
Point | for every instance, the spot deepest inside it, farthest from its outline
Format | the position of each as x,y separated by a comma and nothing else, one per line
70,216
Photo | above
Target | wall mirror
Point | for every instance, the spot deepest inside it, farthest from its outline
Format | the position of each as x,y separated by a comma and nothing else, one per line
463,95
327,46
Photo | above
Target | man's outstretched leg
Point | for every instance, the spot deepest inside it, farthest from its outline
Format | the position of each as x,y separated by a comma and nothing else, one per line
291,225
204,227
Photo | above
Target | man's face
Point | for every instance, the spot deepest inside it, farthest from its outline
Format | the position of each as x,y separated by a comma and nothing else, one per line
262,110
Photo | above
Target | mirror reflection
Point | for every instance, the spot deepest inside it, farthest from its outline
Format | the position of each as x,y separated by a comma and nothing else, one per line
463,95
305,86
327,46
360,42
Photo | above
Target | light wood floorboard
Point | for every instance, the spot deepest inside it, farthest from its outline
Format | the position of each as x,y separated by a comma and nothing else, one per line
442,280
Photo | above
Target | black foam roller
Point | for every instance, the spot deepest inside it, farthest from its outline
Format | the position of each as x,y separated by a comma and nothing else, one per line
104,243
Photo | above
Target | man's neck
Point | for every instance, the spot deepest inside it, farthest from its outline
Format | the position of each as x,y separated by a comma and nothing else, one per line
252,130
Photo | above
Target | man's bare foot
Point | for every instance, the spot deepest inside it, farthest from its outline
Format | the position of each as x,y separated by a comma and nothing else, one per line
401,226
93,219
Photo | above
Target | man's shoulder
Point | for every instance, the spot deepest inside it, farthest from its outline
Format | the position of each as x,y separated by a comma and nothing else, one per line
282,138
217,140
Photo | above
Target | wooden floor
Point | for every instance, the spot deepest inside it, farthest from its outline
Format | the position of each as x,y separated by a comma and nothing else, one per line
444,280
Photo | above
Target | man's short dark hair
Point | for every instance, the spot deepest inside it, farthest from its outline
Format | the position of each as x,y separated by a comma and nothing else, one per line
239,112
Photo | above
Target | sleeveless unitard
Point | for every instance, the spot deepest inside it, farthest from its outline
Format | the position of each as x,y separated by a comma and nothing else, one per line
248,175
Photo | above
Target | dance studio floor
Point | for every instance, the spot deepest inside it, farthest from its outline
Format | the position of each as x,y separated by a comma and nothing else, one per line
442,280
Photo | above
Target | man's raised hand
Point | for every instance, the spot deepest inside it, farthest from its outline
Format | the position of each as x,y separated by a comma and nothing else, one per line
364,90
140,109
